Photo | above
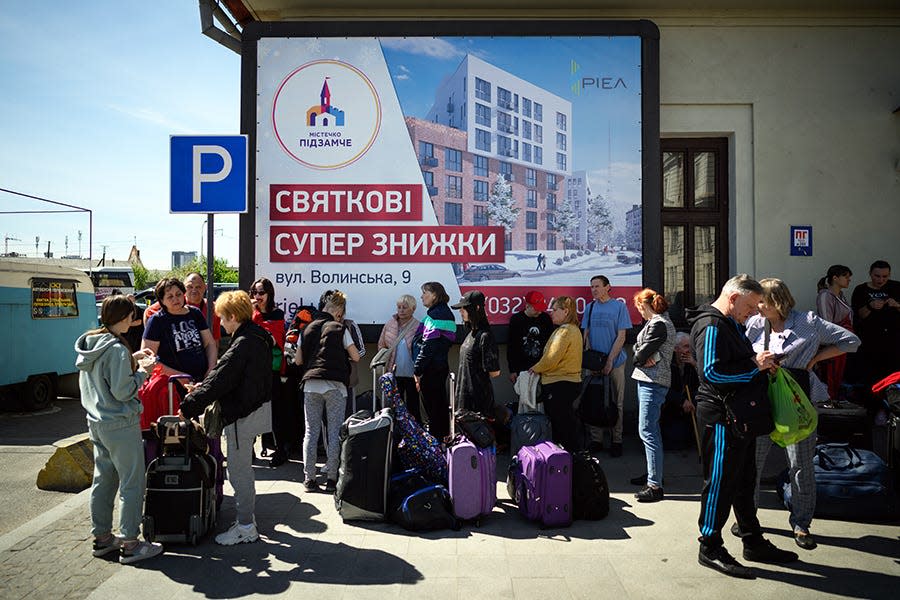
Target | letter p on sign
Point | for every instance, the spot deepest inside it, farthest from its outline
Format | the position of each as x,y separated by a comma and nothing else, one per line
208,174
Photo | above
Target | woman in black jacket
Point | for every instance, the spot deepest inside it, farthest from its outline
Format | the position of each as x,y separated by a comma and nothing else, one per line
242,383
431,345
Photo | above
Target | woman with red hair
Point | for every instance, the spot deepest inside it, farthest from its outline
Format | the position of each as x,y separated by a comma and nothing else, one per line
652,371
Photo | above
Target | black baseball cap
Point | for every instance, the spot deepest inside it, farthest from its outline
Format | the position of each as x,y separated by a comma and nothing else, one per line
470,298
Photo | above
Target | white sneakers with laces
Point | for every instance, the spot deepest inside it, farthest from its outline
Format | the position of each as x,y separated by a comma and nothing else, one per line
238,534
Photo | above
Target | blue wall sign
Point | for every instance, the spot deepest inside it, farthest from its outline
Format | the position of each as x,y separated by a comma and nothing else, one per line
208,174
801,240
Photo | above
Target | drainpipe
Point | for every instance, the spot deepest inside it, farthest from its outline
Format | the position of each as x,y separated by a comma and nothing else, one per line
231,37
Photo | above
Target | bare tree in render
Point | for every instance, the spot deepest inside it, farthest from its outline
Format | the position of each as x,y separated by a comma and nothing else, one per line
567,223
501,207
600,223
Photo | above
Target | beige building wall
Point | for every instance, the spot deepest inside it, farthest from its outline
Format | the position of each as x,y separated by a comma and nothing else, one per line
813,138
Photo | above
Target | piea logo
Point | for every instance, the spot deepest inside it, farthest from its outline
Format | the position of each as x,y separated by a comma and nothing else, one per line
326,114
580,83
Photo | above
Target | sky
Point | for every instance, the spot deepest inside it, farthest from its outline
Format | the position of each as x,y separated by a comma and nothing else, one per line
605,128
94,90
91,93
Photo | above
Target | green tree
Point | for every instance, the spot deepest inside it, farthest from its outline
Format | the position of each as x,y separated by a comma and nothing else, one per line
223,273
141,276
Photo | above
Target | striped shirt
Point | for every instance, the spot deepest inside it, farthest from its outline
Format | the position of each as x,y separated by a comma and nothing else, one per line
804,333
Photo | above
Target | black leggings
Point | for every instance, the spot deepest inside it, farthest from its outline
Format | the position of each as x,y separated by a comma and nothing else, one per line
558,399
433,388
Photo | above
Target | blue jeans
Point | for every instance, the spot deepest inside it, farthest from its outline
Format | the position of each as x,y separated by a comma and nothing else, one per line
651,397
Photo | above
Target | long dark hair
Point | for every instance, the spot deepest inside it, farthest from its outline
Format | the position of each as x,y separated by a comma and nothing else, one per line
113,310
270,293
477,320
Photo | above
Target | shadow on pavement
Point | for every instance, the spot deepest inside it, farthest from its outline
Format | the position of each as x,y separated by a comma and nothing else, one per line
838,581
279,558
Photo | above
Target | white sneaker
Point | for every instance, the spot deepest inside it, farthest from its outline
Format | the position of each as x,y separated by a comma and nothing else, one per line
142,551
238,534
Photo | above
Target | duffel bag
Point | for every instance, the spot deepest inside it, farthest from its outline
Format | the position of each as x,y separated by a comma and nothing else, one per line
852,484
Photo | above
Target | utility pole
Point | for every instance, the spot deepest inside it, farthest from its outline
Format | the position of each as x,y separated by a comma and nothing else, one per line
67,245
37,240
79,243
48,255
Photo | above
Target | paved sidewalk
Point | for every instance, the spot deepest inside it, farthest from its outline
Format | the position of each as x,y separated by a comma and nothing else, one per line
639,551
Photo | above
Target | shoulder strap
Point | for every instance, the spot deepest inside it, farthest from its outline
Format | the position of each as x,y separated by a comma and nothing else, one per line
587,330
767,333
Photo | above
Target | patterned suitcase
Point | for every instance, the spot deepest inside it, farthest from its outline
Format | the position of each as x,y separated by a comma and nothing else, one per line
472,473
543,484
416,449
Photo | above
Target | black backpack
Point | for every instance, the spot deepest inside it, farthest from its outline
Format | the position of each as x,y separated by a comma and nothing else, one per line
590,491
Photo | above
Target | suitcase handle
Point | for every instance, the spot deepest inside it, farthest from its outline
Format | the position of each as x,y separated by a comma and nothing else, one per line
171,384
827,463
452,405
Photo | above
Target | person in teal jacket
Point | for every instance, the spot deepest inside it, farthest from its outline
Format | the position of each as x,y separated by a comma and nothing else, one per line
109,378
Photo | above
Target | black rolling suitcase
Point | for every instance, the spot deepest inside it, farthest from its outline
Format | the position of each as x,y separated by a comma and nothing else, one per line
180,501
364,473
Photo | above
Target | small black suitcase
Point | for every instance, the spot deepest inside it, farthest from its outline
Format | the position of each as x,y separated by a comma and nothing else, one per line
363,476
180,501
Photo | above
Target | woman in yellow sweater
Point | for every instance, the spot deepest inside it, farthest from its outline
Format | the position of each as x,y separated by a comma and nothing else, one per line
560,371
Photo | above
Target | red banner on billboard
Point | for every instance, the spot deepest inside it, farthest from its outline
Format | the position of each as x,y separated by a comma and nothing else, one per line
503,301
345,202
385,244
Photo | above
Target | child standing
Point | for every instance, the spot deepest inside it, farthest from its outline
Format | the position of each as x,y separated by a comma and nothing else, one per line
109,378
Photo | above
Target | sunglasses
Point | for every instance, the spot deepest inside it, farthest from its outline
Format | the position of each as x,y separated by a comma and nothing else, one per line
257,292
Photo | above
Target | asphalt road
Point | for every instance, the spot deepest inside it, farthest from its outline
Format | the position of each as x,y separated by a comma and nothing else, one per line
26,443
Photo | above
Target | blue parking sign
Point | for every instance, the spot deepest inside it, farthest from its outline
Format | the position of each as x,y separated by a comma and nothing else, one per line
208,174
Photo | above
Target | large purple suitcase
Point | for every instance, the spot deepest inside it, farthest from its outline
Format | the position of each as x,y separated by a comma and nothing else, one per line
543,484
472,473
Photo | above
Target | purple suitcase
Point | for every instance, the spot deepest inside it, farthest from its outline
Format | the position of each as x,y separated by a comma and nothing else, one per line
544,484
472,473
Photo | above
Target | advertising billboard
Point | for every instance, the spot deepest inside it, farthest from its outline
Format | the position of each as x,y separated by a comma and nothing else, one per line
502,163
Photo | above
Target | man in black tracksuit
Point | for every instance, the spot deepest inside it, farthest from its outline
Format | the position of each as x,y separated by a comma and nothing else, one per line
726,360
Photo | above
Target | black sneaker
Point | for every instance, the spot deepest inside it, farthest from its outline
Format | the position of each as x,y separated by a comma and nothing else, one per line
649,494
805,540
718,559
311,485
330,485
615,449
759,549
279,457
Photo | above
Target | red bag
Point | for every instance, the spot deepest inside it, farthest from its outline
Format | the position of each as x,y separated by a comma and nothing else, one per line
154,396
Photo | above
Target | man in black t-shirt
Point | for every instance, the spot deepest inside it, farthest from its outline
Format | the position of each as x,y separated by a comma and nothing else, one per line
876,319
529,331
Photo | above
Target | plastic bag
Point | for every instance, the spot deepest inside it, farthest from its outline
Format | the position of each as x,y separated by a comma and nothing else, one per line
793,413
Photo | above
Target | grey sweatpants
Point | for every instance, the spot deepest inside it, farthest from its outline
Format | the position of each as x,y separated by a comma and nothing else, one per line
333,403
118,467
239,438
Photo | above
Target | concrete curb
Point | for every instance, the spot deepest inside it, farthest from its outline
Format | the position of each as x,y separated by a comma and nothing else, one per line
48,518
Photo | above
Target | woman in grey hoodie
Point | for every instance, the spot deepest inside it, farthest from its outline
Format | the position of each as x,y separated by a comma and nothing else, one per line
109,378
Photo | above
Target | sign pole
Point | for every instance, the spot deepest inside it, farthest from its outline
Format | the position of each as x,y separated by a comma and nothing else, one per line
210,274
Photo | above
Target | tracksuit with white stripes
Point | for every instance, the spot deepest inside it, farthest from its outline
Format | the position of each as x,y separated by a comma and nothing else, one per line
726,361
